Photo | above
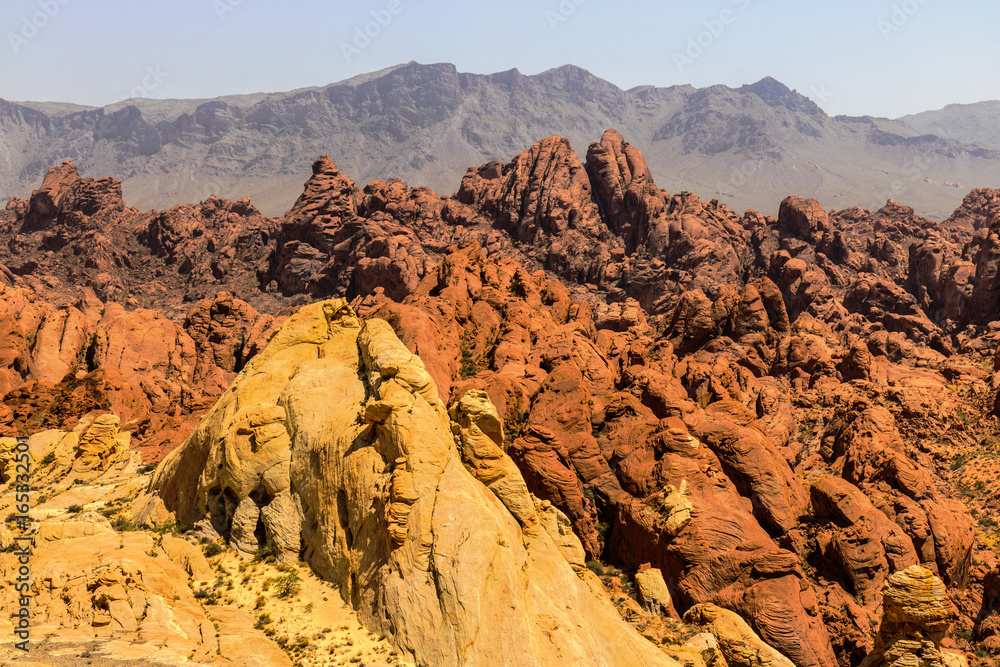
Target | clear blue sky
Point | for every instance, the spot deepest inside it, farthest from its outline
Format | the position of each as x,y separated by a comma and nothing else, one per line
879,57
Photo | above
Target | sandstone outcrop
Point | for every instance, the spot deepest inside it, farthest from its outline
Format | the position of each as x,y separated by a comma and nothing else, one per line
560,380
738,643
326,246
978,208
939,529
156,375
67,199
348,445
131,594
100,445
916,615
543,200
777,413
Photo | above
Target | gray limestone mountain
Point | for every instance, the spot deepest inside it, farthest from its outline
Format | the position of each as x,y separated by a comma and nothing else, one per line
747,146
977,123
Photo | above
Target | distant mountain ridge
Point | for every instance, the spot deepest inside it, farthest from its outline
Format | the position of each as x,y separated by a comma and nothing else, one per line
747,146
977,123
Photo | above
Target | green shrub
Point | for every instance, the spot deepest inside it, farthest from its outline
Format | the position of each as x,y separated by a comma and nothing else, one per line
288,585
266,553
603,530
75,509
49,458
121,524
212,549
171,527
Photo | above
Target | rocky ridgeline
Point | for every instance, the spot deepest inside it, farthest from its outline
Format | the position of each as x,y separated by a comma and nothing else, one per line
774,414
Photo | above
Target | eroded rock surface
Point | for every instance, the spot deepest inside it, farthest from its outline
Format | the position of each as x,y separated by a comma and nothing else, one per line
777,413
336,433
916,615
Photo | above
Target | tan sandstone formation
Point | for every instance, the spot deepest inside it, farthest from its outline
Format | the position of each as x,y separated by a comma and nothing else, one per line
916,615
738,642
335,434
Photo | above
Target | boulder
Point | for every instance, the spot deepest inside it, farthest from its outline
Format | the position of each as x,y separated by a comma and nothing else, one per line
916,615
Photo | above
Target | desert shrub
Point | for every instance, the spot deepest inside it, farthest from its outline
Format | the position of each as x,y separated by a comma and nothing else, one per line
212,549
288,585
171,527
266,553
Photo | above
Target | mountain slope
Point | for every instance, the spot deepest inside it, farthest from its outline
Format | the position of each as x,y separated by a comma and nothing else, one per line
971,123
426,123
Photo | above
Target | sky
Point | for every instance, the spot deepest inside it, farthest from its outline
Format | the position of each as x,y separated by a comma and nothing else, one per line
871,57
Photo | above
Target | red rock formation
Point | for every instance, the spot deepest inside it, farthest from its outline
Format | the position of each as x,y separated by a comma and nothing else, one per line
543,200
326,247
629,199
978,209
66,199
156,375
755,406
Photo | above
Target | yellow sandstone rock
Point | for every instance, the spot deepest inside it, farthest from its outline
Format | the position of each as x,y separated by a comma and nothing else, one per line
916,614
414,513
101,445
739,644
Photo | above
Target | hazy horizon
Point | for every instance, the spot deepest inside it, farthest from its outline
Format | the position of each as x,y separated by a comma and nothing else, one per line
854,58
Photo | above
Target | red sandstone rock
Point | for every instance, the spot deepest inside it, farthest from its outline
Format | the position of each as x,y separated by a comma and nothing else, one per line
668,385
978,209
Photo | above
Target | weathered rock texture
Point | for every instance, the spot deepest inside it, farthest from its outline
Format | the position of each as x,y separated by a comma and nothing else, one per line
740,646
333,443
916,615
777,413
157,375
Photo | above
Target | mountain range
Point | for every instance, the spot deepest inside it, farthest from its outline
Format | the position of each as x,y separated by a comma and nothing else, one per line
748,146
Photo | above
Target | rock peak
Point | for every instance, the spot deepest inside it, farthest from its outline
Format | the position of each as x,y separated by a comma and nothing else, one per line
776,94
324,165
